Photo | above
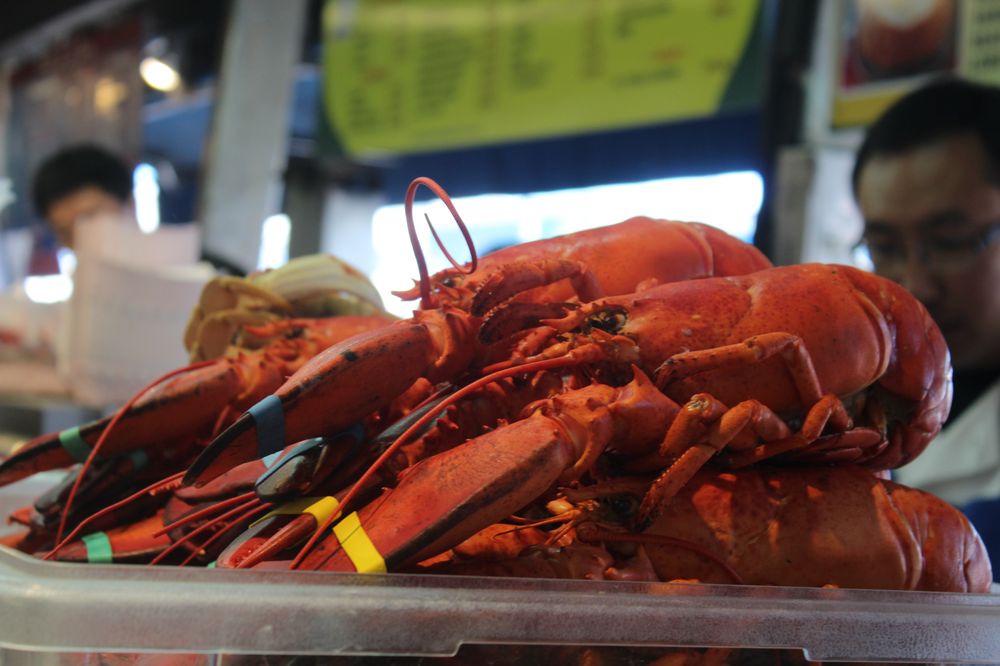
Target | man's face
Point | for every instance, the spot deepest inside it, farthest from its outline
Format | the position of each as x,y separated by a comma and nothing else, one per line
83,204
927,214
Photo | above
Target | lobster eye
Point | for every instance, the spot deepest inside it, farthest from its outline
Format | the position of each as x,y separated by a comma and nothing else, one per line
609,320
623,505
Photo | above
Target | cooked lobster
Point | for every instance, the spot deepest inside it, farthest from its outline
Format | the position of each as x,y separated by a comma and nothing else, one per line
610,260
440,342
189,406
811,363
802,526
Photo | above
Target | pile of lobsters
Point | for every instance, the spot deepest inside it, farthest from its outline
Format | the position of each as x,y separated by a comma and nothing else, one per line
651,400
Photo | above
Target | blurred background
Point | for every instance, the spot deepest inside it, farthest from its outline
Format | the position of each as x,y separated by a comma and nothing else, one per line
280,129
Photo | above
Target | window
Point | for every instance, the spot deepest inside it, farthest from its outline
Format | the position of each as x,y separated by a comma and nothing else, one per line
729,201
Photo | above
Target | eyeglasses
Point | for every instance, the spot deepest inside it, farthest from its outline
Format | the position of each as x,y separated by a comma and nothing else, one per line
937,251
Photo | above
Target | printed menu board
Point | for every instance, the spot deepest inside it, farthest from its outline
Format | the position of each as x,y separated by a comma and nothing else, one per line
405,76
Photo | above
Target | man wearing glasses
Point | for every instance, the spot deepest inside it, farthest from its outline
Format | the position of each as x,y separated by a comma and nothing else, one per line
927,181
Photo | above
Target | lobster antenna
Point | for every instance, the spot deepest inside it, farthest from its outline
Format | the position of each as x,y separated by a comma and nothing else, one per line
239,509
417,425
559,534
224,414
151,489
104,436
278,541
418,254
252,511
207,511
551,520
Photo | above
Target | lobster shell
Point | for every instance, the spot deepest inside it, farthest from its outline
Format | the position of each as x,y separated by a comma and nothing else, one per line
816,526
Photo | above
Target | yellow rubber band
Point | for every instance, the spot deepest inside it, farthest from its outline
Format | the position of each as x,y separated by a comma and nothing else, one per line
358,546
320,508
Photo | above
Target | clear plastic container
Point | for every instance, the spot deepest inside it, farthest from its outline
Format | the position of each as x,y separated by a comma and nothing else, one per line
64,614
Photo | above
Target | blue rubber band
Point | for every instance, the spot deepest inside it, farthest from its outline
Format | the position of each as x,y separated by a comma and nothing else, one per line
271,459
139,459
75,444
357,433
270,421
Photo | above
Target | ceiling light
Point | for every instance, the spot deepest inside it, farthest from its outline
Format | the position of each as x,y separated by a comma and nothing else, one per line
159,75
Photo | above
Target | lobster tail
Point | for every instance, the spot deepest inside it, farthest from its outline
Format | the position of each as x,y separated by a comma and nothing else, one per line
953,556
840,526
919,372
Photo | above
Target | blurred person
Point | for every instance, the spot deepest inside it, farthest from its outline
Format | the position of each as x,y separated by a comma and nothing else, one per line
927,182
85,182
79,183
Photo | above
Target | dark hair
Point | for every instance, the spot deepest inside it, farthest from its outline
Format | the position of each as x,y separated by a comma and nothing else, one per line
941,109
71,169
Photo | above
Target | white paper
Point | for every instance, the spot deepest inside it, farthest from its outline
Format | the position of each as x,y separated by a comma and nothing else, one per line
133,294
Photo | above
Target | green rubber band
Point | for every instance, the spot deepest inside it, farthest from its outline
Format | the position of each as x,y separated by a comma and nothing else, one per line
98,548
211,565
74,444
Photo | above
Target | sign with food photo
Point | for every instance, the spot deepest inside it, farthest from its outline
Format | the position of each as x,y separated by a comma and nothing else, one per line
887,47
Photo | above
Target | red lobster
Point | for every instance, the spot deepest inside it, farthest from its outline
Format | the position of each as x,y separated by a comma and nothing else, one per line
805,526
610,260
188,406
811,363
439,343
163,426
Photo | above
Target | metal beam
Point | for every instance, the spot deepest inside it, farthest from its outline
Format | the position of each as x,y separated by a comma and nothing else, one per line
35,42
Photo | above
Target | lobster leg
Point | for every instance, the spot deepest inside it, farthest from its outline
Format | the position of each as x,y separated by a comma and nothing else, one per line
705,426
753,350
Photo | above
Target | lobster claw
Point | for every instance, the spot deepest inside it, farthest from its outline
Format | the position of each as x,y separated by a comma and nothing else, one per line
342,386
294,473
102,482
136,541
307,465
446,498
455,500
167,419
281,529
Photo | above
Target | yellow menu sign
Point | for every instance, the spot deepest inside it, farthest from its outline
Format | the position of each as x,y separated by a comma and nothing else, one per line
415,75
